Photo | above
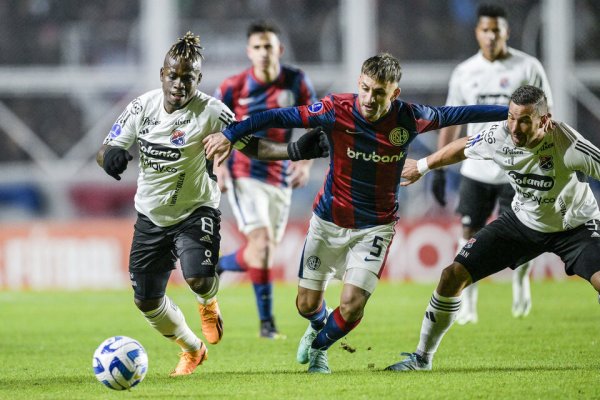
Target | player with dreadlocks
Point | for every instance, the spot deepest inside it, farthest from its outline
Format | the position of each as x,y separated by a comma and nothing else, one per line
177,196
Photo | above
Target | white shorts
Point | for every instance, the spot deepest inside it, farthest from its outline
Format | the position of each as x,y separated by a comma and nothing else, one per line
256,204
355,256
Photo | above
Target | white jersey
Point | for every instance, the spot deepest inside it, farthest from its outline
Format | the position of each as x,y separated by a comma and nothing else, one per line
551,192
480,81
174,179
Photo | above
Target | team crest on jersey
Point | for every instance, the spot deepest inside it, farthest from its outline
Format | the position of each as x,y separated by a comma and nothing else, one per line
115,131
398,136
313,263
178,138
504,82
546,163
315,107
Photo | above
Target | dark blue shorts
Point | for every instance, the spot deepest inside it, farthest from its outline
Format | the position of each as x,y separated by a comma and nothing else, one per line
507,243
155,250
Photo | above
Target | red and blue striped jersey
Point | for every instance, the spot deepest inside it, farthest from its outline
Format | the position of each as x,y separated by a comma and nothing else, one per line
246,95
366,158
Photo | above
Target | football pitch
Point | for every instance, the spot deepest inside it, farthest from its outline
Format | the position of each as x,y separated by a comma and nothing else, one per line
47,340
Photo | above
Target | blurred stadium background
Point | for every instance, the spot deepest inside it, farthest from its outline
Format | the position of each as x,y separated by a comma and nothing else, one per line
69,67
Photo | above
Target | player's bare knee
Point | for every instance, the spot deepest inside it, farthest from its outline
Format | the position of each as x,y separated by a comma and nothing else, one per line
595,281
146,305
307,305
308,301
201,285
453,280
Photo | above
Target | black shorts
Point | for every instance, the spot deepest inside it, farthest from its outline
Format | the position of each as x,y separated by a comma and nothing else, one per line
155,250
478,200
506,242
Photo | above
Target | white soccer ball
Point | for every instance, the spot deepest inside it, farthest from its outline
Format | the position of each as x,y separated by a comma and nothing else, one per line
120,362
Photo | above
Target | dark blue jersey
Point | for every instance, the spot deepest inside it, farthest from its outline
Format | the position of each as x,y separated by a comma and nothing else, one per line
366,160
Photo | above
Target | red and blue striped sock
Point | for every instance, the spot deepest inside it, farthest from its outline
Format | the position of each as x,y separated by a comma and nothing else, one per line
317,319
263,291
233,261
335,329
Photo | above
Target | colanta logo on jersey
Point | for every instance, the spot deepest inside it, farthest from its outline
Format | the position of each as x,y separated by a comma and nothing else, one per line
374,157
178,137
159,151
532,181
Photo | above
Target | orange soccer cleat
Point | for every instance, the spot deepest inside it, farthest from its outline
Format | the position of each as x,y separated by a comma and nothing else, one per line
188,361
212,323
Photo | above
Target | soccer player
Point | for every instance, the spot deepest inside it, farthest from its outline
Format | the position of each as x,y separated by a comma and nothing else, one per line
553,210
488,77
259,192
355,212
177,195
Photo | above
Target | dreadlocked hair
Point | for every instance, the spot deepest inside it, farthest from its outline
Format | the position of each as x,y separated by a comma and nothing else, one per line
187,48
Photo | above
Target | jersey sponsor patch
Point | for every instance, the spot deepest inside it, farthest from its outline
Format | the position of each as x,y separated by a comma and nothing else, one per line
153,150
532,181
178,137
115,131
315,107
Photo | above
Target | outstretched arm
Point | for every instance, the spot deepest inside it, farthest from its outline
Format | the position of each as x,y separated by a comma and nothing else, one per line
450,154
313,144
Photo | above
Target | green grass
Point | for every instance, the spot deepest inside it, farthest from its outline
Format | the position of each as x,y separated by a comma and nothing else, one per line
47,340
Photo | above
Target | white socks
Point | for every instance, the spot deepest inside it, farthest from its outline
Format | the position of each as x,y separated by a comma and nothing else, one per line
521,305
439,316
170,322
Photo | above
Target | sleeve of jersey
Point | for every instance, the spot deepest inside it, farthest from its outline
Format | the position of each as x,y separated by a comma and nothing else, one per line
583,156
123,132
480,146
276,118
428,118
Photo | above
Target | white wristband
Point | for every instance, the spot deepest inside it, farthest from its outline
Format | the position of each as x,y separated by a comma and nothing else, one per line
422,166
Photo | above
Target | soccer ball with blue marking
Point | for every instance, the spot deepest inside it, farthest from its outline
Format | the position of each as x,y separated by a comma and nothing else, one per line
120,362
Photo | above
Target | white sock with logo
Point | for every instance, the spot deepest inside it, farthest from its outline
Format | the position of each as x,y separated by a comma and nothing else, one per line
439,316
170,322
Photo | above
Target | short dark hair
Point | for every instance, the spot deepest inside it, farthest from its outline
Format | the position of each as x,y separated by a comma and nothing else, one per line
491,10
262,26
531,95
383,67
187,48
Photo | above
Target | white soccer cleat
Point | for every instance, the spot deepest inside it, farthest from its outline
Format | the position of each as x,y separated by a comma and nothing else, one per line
412,362
304,346
318,362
